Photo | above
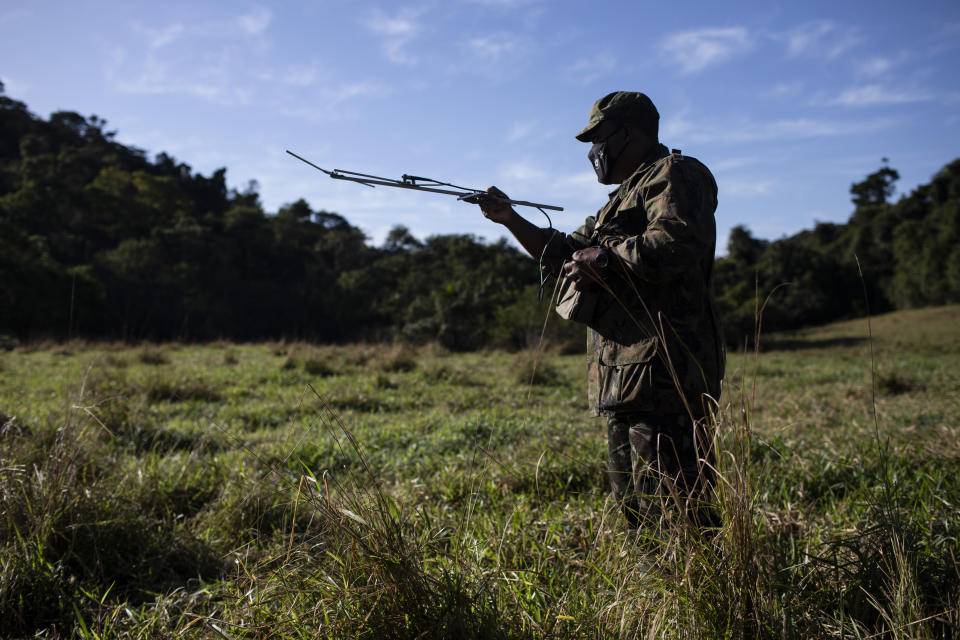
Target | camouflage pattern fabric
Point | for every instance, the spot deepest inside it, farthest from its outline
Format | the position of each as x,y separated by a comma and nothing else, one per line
653,344
656,462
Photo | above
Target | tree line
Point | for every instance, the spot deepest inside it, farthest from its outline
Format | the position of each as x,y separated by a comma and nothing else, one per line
99,241
889,255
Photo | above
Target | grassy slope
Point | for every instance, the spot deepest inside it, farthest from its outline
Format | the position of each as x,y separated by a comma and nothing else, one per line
162,489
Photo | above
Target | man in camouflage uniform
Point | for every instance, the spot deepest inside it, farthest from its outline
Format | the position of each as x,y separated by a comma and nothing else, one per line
638,275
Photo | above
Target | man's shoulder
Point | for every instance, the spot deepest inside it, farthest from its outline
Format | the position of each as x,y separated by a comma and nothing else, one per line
665,165
678,162
677,168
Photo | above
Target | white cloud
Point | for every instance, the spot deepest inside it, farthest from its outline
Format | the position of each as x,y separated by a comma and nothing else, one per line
587,70
399,25
503,3
295,76
875,66
206,83
946,38
675,125
496,56
212,60
298,76
747,187
874,94
732,163
804,128
158,38
495,46
329,100
522,172
255,21
783,90
397,31
519,130
179,71
794,129
15,89
820,39
344,92
698,49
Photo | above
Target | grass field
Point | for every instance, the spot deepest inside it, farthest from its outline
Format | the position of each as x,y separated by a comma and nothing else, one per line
298,491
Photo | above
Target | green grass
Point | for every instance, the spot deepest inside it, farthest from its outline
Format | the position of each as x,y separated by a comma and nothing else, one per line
302,491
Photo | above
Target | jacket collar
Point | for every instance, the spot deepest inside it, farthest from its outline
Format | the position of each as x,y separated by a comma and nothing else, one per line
657,153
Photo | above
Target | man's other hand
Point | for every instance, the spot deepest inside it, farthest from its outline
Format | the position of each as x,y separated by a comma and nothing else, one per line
585,267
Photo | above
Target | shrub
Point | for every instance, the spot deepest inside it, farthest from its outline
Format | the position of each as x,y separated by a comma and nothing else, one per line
153,355
532,368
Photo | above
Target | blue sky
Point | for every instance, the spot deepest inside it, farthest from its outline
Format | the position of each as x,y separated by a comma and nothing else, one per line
787,102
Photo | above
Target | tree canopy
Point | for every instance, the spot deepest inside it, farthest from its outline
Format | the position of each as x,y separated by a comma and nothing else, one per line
98,240
907,251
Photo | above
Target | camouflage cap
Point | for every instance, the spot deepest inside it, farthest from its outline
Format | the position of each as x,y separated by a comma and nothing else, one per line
622,106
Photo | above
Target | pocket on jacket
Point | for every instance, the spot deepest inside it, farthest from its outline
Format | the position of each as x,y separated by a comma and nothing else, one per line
628,381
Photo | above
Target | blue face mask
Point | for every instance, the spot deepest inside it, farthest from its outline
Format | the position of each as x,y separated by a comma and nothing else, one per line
603,155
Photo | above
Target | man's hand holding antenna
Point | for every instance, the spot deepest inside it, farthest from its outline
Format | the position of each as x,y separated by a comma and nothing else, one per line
494,204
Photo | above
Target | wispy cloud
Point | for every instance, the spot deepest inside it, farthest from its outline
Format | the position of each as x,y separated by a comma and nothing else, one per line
496,56
329,101
494,47
252,24
209,81
255,21
587,70
676,125
519,131
744,131
212,60
348,91
783,90
397,31
700,48
503,3
748,187
733,163
820,39
946,38
298,76
522,172
161,37
875,94
13,87
875,66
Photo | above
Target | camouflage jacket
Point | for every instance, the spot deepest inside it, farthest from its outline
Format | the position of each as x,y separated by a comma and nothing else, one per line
653,331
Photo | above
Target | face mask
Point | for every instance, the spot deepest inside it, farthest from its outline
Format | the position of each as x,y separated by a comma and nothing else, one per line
603,155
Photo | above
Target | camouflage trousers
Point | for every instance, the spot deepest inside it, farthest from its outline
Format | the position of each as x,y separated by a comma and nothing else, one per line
659,465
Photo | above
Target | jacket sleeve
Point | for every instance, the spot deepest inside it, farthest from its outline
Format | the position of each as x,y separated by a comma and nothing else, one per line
678,200
562,245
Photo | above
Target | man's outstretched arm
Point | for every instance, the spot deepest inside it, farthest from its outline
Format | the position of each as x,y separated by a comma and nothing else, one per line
532,238
557,251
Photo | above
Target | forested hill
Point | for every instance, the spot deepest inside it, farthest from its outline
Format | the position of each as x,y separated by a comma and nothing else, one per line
98,241
908,252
